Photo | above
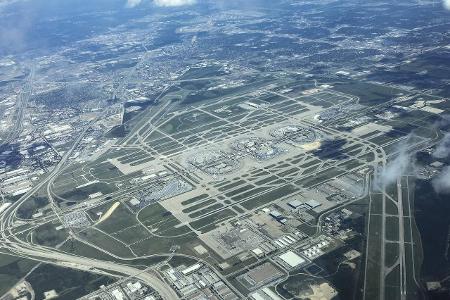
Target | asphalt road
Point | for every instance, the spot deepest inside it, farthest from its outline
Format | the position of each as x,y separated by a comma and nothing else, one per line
50,255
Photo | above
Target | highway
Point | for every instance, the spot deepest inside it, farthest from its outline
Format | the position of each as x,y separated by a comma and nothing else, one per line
21,248
50,255
9,238
22,101
83,263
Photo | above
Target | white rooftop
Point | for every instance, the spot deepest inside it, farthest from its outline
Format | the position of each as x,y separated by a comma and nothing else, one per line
134,201
292,259
258,251
295,203
313,203
191,269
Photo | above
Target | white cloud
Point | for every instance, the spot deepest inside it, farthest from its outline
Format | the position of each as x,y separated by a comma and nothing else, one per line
162,3
5,3
446,4
133,3
397,167
403,163
169,3
443,147
441,183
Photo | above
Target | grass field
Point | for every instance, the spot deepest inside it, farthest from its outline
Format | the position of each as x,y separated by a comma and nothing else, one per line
157,245
12,269
392,233
132,234
374,257
121,218
194,199
269,197
199,206
161,222
392,252
391,208
213,219
368,93
104,241
47,235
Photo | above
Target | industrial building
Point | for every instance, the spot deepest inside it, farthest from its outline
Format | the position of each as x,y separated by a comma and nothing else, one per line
291,259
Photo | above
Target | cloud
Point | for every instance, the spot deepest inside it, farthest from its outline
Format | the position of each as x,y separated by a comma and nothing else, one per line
446,4
443,148
172,3
12,39
443,122
133,3
441,182
13,34
404,161
6,3
161,3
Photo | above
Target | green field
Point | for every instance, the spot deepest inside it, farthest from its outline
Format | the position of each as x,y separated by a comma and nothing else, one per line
374,256
213,219
392,230
12,269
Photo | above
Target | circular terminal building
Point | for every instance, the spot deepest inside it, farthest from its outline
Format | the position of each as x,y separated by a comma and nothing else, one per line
296,134
338,112
257,147
214,162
